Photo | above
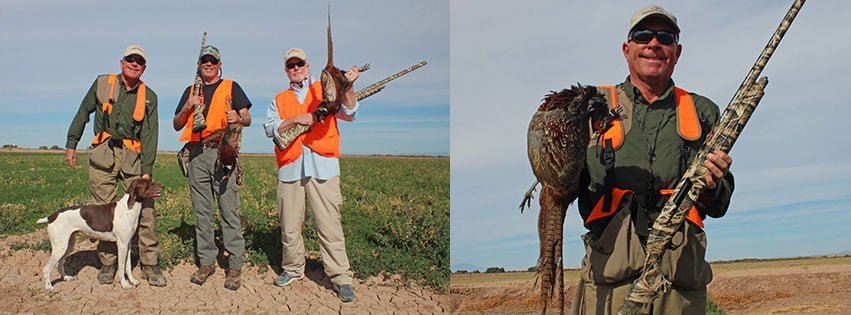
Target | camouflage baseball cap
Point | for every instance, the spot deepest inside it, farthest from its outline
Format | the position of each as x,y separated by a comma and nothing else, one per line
210,50
295,53
653,10
135,50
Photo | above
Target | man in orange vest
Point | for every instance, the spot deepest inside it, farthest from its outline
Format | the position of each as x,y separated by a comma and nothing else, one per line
225,103
124,148
630,168
309,168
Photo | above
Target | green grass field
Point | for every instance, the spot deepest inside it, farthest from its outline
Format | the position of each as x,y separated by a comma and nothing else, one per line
395,210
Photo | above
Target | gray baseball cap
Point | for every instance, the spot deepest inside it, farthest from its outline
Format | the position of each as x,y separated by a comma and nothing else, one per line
135,50
295,53
653,10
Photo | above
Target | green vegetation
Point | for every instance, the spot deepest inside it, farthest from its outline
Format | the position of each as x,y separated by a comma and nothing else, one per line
495,270
712,308
395,210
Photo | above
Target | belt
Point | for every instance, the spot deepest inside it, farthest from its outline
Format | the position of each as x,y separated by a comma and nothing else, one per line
115,143
214,144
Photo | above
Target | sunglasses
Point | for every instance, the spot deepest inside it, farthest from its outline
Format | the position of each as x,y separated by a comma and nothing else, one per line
645,36
208,58
292,65
135,58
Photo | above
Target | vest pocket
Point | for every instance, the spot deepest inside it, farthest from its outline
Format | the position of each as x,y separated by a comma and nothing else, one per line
618,254
686,266
101,156
131,163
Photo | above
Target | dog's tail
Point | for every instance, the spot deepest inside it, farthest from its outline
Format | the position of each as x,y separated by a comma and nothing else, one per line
42,220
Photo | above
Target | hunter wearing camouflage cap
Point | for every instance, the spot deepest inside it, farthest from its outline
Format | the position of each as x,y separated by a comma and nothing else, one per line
636,164
224,103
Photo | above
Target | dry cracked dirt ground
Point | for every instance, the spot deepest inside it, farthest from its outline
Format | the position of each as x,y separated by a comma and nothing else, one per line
811,285
22,290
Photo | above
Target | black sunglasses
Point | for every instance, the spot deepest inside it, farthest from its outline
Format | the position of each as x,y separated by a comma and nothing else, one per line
208,58
135,58
645,36
292,65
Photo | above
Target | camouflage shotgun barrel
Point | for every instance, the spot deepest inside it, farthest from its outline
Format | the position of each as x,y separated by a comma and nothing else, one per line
199,123
283,140
722,137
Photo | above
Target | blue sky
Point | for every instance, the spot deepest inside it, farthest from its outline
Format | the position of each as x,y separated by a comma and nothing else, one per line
793,174
52,50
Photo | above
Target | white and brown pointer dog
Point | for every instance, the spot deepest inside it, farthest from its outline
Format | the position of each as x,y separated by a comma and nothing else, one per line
115,222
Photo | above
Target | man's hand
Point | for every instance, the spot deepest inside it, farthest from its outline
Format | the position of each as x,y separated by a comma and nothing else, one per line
146,176
187,109
232,116
71,158
717,164
352,74
303,119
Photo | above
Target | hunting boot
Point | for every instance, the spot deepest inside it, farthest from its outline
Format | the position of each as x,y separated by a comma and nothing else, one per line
106,274
202,274
232,281
153,275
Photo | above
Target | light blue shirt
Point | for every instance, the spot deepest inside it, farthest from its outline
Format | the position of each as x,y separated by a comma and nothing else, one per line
309,164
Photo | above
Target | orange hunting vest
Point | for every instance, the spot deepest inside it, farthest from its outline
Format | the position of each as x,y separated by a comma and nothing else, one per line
138,112
688,127
217,117
323,138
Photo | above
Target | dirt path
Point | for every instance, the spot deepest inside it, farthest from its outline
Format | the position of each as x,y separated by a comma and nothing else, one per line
816,285
22,290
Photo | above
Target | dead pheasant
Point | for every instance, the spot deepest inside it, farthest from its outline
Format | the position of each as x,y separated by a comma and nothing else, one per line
334,85
557,141
334,81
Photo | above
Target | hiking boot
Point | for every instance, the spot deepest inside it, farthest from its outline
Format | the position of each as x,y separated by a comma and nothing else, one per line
106,274
232,280
345,292
153,275
202,274
284,279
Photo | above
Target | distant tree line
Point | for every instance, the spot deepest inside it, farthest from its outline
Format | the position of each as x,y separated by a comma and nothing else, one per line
44,147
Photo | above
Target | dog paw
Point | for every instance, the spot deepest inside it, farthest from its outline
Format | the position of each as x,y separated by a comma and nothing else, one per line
134,282
49,288
127,285
69,278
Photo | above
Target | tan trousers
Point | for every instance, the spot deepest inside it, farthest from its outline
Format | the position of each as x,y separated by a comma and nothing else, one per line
607,299
108,166
326,202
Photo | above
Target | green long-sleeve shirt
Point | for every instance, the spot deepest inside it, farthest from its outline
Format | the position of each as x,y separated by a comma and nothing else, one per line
121,124
650,157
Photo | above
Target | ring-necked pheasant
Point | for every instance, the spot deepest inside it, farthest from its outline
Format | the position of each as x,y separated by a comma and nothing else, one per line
558,138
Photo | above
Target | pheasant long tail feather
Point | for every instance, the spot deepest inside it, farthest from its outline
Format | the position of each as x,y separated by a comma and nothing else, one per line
550,233
330,44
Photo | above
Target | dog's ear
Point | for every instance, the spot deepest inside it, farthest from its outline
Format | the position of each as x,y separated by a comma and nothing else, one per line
138,190
131,192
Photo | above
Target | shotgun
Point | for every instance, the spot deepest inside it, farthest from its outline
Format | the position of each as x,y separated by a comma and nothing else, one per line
282,141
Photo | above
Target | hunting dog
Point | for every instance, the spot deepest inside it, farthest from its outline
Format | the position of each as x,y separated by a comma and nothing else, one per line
115,222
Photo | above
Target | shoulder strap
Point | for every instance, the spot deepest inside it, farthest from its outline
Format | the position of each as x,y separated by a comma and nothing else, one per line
106,92
139,110
613,138
688,125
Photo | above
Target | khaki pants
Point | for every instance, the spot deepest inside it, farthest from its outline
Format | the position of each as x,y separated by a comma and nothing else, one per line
615,259
108,166
607,299
326,202
206,185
